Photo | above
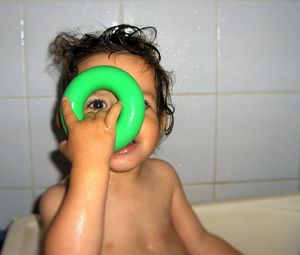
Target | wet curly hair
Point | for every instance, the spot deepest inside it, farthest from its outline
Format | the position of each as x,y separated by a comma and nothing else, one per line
69,49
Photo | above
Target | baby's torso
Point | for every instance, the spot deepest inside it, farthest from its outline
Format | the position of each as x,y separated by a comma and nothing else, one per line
142,236
138,220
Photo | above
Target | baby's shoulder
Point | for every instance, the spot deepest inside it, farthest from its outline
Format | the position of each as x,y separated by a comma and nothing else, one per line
164,171
55,192
159,164
50,201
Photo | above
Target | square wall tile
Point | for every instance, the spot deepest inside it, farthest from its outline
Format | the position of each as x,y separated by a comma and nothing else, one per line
258,137
186,38
14,144
14,203
259,45
190,147
44,142
254,189
199,193
44,20
11,52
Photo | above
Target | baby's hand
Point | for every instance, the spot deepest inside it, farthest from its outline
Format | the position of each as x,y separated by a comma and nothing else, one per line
91,140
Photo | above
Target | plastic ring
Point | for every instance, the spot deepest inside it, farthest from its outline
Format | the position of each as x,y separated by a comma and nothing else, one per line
123,86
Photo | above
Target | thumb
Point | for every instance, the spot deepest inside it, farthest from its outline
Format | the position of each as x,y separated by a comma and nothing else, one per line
113,115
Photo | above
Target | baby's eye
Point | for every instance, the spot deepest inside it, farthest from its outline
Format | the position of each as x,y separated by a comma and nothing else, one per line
97,104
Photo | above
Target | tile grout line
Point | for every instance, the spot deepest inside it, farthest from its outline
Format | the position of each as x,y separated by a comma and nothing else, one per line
23,35
245,93
241,93
244,181
216,100
25,97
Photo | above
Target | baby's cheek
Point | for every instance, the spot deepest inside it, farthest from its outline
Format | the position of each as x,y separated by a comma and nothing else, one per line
151,124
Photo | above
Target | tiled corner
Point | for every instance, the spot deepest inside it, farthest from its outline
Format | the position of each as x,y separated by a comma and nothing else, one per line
186,38
11,64
14,203
190,147
199,193
254,189
259,45
258,137
14,150
44,20
43,142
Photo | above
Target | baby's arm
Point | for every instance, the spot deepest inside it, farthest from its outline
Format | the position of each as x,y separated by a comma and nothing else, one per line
77,226
194,236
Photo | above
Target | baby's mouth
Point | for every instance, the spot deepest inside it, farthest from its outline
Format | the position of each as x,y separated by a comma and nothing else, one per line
127,148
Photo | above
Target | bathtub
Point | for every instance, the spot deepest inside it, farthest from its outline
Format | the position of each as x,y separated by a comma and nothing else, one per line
257,226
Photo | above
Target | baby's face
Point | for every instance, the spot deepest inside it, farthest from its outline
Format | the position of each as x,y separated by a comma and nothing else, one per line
146,141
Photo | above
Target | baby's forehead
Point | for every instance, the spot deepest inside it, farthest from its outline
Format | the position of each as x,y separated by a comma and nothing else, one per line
135,65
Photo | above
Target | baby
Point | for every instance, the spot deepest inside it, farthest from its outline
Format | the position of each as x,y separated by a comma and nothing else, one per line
120,202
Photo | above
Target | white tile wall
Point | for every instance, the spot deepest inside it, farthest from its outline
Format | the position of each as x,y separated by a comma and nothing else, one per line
258,137
199,193
53,17
14,144
184,27
11,64
43,142
14,203
258,43
237,92
254,189
190,148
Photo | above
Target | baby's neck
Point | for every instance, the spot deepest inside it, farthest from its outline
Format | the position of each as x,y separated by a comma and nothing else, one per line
125,178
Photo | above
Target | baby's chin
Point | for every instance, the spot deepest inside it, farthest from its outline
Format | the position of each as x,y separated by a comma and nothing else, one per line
122,162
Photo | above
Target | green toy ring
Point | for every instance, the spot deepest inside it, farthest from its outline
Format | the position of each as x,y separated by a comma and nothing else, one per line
123,86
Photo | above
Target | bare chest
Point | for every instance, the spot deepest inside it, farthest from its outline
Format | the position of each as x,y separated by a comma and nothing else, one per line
142,236
140,224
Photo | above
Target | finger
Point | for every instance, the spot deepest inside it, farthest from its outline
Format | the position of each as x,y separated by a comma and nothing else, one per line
68,113
113,115
90,115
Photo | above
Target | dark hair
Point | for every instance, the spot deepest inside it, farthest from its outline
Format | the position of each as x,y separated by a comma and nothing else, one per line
69,49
